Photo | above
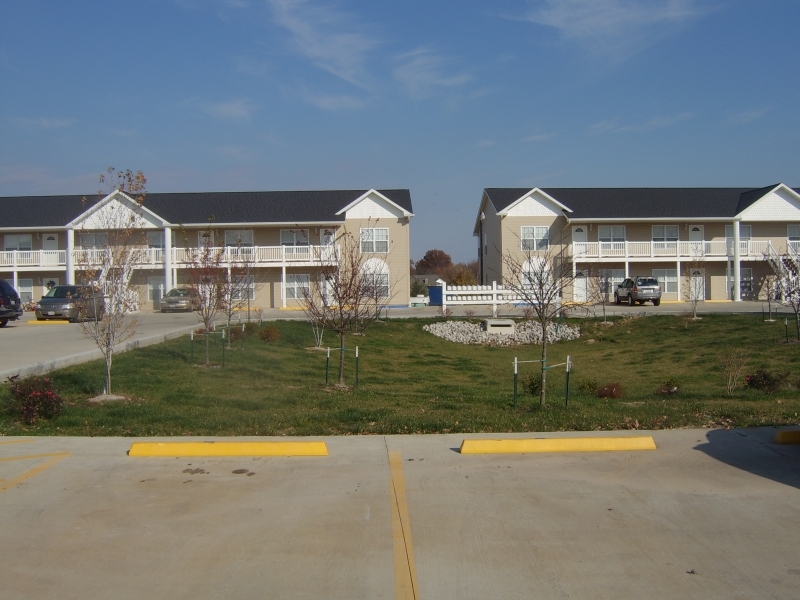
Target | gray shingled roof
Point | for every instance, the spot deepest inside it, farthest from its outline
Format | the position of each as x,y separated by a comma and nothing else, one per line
186,208
641,203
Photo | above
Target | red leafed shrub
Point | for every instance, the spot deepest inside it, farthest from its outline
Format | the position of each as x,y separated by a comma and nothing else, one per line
270,333
34,398
609,390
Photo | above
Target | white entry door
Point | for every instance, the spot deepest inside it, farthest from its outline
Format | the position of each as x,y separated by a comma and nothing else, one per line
50,247
697,285
579,240
581,290
696,245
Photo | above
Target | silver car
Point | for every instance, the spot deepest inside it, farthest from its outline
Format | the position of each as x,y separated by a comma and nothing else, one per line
179,299
71,302
638,289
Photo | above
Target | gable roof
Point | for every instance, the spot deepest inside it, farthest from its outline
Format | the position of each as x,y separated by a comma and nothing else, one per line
641,203
196,208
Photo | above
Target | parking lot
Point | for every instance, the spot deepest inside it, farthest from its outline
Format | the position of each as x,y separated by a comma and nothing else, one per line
708,514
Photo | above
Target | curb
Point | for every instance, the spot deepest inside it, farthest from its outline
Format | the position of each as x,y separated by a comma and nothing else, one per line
180,449
519,446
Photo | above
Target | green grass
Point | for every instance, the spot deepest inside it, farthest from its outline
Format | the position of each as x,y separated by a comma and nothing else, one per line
413,382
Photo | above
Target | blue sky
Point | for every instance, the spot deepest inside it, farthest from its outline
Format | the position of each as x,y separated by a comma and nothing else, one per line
443,98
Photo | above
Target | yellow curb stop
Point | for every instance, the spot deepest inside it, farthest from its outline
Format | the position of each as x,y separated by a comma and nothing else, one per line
525,445
787,437
180,449
49,322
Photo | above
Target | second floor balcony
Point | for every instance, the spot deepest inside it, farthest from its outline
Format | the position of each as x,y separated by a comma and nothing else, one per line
257,256
721,249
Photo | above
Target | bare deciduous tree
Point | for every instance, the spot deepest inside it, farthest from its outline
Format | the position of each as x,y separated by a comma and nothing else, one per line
538,274
694,284
345,293
112,241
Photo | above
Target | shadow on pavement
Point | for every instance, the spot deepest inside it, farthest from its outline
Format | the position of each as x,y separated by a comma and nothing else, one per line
754,451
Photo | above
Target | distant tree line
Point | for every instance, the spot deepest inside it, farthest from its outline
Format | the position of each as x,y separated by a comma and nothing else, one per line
439,263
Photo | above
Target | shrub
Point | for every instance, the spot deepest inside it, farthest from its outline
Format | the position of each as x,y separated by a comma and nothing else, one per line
34,398
588,386
609,390
251,327
533,384
237,334
733,363
766,381
269,334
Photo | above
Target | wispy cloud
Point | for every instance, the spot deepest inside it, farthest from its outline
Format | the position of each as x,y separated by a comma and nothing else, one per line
484,143
614,27
41,123
328,37
421,73
615,126
252,66
234,110
538,137
333,101
741,118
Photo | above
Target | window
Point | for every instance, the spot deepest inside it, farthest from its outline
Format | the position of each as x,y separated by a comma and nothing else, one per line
245,288
25,289
94,240
297,286
239,237
668,278
609,279
155,239
294,237
376,284
205,238
665,233
744,232
374,240
534,238
611,233
793,233
19,241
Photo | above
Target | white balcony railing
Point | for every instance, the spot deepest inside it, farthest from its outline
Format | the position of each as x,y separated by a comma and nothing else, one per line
256,255
684,250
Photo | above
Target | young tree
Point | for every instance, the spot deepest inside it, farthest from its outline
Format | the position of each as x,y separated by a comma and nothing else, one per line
208,282
112,241
694,285
347,293
538,276
239,285
788,286
599,290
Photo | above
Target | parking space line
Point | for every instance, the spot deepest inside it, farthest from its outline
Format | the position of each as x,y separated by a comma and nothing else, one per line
405,570
55,457
18,441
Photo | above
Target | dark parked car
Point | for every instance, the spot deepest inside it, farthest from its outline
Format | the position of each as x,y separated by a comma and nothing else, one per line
179,299
638,289
71,302
10,304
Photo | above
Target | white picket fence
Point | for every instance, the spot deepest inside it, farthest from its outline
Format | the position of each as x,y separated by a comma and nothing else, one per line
479,295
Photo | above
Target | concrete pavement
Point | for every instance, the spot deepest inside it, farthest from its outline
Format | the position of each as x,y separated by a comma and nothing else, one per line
709,514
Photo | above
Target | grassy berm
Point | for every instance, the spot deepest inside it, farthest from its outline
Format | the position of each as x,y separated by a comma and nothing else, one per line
413,382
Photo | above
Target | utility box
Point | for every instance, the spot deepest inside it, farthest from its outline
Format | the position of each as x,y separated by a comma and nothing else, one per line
498,326
435,294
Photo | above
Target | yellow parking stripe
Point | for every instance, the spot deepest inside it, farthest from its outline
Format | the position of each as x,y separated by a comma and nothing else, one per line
56,457
525,445
405,570
228,449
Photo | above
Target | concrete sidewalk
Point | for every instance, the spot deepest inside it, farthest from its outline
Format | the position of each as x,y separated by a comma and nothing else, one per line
708,514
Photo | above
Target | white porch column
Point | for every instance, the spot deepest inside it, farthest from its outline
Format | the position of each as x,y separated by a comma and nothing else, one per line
679,281
627,269
737,265
70,257
168,283
15,280
283,285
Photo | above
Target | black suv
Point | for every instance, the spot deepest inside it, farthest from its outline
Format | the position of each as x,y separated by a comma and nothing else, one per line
10,304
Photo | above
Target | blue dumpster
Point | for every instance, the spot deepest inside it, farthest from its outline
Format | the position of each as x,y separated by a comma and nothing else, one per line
435,295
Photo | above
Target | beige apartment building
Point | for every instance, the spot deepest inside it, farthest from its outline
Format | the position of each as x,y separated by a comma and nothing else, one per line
285,235
721,241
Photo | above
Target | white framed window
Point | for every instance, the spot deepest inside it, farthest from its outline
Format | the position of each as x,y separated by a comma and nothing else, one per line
94,240
609,279
375,239
534,238
239,237
297,285
793,233
665,233
375,278
245,288
294,237
744,232
536,272
155,239
205,238
25,289
611,233
19,241
668,278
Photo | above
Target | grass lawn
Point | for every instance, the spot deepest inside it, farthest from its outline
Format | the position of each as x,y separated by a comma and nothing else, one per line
413,382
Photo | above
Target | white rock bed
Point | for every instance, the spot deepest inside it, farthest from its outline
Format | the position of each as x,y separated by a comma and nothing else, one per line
527,332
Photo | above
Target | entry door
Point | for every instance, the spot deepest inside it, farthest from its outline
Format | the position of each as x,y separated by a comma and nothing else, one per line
697,285
581,291
326,237
50,244
696,238
579,240
155,291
